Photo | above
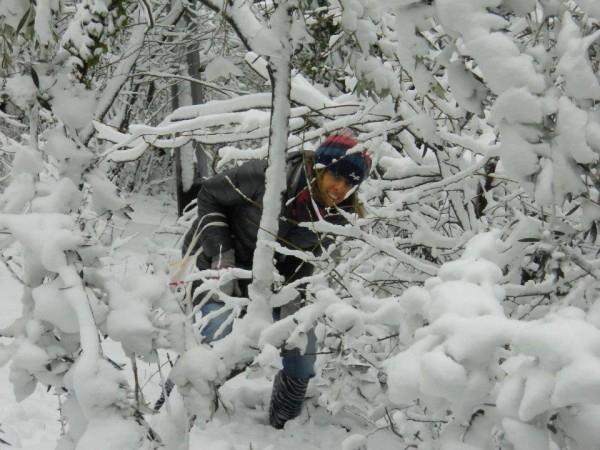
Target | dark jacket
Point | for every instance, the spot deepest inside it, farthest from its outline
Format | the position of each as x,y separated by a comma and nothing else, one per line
230,209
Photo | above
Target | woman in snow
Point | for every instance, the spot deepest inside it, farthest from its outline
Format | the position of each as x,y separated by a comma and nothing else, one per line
225,235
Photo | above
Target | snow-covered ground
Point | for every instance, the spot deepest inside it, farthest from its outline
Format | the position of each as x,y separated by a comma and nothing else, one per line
33,424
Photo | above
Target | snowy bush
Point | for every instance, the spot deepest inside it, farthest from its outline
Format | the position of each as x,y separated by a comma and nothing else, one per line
460,312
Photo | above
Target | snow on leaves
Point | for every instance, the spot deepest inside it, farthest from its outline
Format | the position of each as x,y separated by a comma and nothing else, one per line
479,116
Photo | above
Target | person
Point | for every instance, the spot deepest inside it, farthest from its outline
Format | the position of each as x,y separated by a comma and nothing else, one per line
225,234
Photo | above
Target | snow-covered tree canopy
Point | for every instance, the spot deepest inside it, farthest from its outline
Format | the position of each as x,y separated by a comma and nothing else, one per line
460,312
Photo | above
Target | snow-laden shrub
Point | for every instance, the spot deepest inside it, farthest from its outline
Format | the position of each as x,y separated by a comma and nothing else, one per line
56,207
479,116
485,378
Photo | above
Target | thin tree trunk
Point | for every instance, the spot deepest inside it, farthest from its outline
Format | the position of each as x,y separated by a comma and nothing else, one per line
280,74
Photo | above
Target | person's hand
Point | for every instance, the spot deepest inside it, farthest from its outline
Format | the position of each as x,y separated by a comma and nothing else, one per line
225,260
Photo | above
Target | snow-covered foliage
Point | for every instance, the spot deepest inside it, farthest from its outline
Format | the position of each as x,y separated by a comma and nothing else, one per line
57,202
460,312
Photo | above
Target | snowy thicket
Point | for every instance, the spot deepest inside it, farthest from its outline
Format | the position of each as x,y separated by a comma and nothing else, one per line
460,312
57,202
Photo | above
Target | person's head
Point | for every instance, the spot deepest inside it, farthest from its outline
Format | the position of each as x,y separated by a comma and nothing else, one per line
339,170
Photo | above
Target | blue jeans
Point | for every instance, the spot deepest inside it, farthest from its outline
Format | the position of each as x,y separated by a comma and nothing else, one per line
294,364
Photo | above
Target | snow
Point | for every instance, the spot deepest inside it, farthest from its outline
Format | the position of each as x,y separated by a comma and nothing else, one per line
571,127
52,307
536,394
70,158
61,196
590,7
15,197
13,10
471,18
32,424
345,319
441,376
354,442
519,156
503,65
220,67
467,286
104,194
517,105
30,357
465,87
525,437
21,90
108,434
72,103
590,213
27,161
459,297
580,80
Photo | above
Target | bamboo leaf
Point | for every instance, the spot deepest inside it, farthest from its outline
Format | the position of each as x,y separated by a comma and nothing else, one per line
439,90
35,78
573,210
23,21
44,103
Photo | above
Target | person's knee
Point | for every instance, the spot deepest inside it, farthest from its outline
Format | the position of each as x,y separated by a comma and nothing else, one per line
297,366
213,330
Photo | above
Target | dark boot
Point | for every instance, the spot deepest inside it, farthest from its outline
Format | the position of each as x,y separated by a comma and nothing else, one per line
286,399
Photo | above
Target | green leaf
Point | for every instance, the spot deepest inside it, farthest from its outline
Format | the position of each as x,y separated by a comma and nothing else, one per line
23,21
44,103
573,210
439,90
35,78
529,240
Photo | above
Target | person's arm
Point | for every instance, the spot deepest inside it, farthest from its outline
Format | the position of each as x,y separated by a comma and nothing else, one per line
217,196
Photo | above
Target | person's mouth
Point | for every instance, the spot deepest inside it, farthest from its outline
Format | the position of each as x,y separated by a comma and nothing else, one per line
333,196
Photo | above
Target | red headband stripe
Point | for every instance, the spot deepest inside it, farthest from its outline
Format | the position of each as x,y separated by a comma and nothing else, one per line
367,159
343,140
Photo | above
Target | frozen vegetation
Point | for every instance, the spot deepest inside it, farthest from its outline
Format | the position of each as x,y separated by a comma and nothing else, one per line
460,313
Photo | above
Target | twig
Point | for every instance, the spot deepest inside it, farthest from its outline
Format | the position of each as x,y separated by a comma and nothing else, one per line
388,337
11,270
136,380
392,425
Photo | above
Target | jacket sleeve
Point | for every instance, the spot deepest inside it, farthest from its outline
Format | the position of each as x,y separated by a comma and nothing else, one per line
218,195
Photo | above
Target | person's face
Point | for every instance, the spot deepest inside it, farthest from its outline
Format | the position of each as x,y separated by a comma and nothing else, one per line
334,188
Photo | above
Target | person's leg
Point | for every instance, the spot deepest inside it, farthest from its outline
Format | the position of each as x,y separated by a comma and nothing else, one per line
290,384
212,327
167,388
287,398
209,331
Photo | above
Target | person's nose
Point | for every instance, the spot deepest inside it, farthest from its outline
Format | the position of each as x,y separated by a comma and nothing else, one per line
341,188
